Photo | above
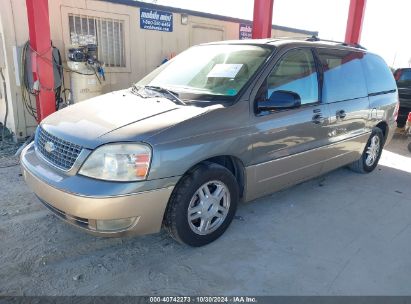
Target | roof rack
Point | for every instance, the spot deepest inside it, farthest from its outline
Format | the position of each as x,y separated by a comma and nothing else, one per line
318,39
291,37
355,45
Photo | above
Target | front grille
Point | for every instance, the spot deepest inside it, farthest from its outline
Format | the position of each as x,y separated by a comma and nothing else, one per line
63,153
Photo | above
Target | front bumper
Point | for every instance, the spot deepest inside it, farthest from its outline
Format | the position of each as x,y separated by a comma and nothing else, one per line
100,200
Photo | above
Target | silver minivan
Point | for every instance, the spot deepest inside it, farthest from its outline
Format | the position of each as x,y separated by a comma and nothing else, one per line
219,124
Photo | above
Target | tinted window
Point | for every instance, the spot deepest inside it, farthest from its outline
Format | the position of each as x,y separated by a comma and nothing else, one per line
403,76
378,75
295,72
343,75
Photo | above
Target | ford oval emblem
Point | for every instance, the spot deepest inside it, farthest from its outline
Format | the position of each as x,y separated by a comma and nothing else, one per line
49,147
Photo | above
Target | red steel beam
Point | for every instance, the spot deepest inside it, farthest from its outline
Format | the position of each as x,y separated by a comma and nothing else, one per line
262,19
40,41
354,21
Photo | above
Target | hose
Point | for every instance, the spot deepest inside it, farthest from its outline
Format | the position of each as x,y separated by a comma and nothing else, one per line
7,108
26,90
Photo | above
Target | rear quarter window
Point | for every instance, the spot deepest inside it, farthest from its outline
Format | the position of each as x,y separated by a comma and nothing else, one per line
377,74
343,75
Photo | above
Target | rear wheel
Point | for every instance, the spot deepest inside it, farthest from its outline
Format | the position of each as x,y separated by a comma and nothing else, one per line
202,205
371,154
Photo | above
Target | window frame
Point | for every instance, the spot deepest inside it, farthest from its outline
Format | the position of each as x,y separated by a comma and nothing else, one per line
67,11
318,70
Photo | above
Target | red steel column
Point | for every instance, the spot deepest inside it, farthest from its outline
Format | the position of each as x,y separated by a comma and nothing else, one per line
354,21
263,18
39,33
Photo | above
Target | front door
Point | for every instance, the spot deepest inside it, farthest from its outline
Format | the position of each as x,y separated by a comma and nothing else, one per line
285,141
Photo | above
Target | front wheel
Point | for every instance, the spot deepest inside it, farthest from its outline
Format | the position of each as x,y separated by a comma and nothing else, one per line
202,205
371,154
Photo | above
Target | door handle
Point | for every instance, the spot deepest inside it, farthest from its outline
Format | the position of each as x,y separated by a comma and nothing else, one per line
341,114
318,119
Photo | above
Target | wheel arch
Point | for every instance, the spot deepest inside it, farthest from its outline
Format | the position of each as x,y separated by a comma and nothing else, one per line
234,164
383,126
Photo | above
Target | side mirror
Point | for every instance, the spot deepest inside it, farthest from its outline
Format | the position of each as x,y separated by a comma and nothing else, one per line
280,100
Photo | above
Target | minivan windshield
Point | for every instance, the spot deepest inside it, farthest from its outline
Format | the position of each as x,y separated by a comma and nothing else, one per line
208,72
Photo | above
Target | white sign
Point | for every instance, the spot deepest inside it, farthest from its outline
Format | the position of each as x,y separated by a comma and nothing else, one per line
223,70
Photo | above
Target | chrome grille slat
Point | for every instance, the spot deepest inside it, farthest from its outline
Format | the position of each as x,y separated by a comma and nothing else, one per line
65,153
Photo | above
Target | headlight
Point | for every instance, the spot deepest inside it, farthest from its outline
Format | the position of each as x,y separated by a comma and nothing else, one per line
118,162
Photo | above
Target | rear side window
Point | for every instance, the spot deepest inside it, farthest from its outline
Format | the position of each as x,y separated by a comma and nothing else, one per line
343,75
378,75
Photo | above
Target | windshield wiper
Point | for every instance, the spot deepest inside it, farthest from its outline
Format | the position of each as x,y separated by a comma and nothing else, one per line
136,90
165,92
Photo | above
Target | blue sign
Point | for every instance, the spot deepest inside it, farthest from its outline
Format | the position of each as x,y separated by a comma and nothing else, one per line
156,20
246,31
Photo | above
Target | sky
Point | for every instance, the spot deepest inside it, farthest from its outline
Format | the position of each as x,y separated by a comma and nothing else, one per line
384,27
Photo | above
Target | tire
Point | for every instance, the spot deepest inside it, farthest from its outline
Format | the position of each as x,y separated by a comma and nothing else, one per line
190,197
370,156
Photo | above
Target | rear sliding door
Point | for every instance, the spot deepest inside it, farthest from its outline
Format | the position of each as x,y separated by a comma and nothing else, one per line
345,91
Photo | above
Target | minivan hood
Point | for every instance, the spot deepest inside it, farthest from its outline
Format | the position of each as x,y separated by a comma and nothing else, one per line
90,123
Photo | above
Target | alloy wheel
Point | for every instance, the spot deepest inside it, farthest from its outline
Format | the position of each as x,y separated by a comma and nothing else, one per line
373,151
208,207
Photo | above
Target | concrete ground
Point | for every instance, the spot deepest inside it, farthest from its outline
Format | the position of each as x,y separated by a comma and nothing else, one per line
343,233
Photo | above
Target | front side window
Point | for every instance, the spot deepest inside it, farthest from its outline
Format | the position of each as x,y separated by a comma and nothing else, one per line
209,72
343,75
296,72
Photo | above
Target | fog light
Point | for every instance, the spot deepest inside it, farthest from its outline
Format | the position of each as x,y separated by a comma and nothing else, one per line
114,225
